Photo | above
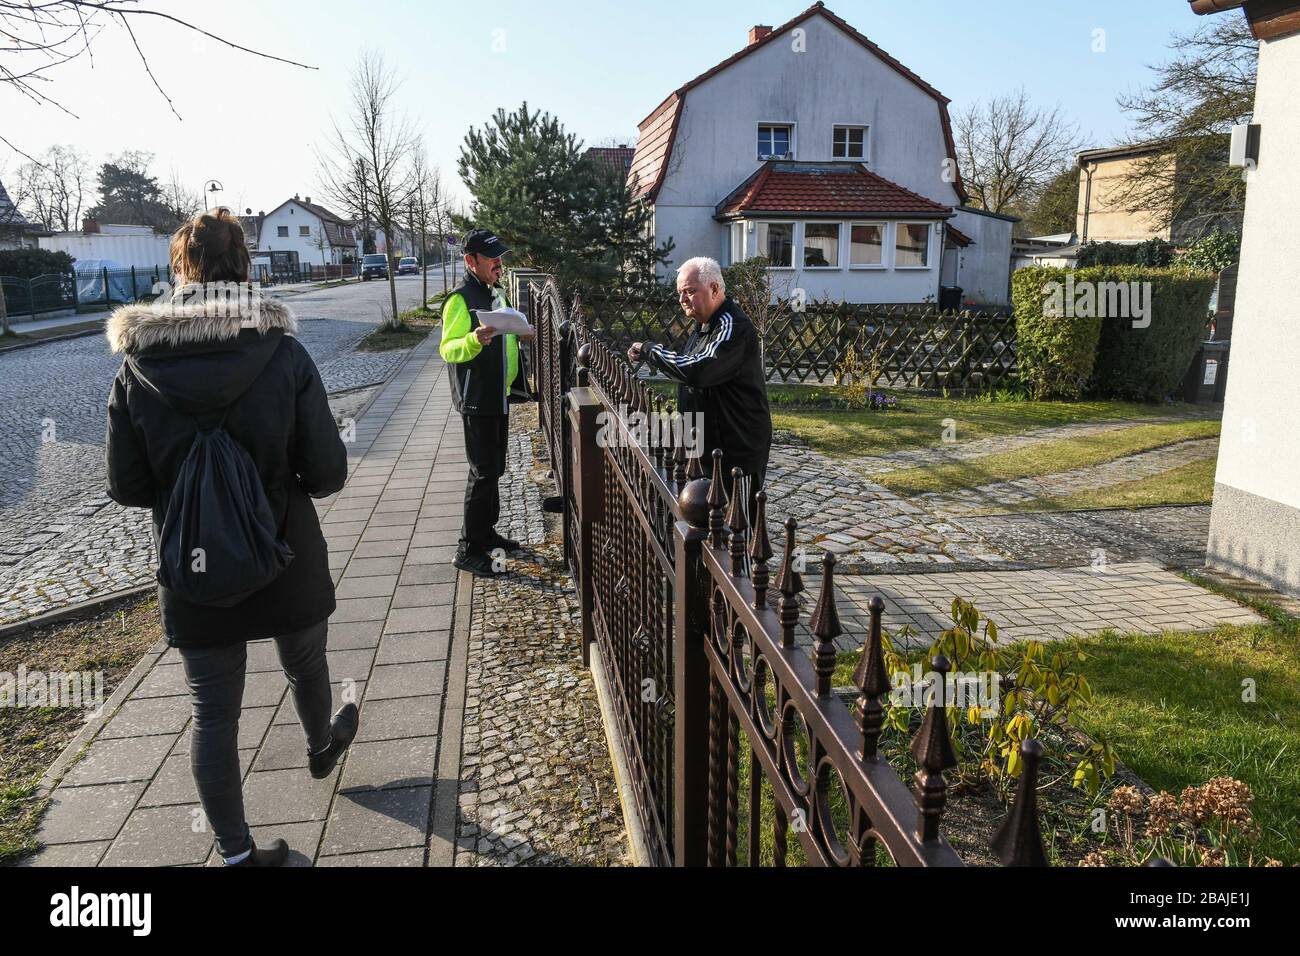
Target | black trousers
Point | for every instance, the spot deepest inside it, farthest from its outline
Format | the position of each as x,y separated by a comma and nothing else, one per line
486,444
216,679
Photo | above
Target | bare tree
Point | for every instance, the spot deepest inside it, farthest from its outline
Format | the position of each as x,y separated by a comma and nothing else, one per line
367,163
1009,150
426,204
55,189
181,202
321,241
1197,97
39,36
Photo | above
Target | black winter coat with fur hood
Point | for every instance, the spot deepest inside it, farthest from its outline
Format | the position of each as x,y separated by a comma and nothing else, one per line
201,360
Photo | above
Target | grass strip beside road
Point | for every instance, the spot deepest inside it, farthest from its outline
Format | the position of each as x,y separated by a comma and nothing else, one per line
1044,458
414,326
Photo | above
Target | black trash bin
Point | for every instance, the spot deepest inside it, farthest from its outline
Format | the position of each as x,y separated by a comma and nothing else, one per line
949,298
1208,376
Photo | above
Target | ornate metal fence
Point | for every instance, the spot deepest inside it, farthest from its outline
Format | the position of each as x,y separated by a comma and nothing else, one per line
738,751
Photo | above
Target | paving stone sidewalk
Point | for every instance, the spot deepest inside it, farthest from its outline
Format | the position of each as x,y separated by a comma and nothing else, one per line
391,532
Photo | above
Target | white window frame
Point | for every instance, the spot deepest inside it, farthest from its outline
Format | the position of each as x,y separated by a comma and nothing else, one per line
304,235
794,243
866,142
282,235
886,245
839,244
929,248
794,142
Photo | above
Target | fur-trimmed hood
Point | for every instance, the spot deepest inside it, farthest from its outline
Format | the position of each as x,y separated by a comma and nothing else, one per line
176,322
195,356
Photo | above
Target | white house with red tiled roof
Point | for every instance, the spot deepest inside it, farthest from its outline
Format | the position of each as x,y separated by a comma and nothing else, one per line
307,230
818,150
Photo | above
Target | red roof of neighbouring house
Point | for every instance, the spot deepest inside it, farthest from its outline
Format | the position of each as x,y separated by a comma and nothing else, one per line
835,189
654,147
958,237
615,157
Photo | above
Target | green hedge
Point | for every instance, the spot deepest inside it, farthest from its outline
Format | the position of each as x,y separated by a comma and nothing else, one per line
1148,363
30,263
1055,354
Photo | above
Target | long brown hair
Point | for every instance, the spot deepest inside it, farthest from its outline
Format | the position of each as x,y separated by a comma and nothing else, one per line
210,248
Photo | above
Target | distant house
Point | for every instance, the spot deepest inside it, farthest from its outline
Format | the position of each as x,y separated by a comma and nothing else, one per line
615,157
816,149
314,235
1109,210
16,231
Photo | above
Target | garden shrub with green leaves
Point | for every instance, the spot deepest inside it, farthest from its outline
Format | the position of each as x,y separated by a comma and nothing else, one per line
1040,692
1055,354
30,263
1148,363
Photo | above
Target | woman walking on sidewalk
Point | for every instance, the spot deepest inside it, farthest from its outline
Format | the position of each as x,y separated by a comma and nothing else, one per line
219,422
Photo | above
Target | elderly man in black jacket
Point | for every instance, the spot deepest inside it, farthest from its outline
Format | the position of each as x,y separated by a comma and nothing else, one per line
719,374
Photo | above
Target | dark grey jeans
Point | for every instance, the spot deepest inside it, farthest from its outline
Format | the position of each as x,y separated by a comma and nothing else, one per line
216,679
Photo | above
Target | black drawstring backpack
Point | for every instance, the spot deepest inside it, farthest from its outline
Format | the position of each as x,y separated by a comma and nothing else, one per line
219,543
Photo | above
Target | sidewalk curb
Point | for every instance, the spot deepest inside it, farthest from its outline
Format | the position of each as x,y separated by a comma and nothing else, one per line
445,811
59,615
52,338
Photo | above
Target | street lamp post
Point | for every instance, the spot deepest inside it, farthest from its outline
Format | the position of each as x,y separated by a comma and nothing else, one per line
212,187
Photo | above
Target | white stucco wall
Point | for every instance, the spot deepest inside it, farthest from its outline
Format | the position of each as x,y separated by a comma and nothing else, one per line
984,267
835,81
292,216
1255,522
1259,451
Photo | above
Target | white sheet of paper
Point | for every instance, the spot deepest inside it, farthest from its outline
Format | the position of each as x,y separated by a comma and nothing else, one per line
509,321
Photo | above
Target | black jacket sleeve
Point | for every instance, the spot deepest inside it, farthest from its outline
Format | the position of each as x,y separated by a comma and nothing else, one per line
319,455
130,477
716,363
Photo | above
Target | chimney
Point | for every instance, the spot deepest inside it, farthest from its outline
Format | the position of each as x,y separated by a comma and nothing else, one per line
90,226
758,32
307,200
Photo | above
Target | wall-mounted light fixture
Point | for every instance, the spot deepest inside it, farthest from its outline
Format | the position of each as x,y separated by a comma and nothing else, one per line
1243,149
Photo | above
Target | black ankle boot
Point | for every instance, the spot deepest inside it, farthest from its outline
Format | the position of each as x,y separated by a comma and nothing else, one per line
274,854
343,727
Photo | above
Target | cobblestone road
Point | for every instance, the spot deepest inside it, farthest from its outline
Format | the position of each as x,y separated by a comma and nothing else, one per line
62,540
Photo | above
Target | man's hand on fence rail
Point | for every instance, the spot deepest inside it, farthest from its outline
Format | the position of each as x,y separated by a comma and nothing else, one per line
634,353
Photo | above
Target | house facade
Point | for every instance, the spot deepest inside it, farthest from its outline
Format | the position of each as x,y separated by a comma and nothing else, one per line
313,233
817,149
1255,518
16,231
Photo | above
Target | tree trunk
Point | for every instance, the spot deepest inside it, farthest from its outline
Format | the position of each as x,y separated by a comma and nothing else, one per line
4,313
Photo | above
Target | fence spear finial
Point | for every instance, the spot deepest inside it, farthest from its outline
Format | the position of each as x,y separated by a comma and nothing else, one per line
872,682
717,502
738,521
790,583
825,625
1019,841
933,751
760,551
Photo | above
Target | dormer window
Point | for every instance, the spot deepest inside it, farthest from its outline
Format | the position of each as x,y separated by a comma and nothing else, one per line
775,141
849,142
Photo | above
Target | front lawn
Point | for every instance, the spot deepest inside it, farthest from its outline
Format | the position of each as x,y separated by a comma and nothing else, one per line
1044,458
921,421
1190,484
414,326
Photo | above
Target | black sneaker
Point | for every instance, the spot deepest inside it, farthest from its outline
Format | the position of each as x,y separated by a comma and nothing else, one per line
505,544
476,563
274,854
343,727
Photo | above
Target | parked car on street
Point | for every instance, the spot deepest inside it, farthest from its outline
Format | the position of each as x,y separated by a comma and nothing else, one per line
374,266
408,266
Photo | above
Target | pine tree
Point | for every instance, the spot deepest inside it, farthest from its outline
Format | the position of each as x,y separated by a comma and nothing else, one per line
557,211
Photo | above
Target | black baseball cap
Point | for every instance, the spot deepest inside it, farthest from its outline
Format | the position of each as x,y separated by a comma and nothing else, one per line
485,243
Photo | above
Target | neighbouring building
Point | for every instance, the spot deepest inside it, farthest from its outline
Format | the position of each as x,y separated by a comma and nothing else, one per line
815,148
1255,519
16,231
615,157
308,233
116,245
